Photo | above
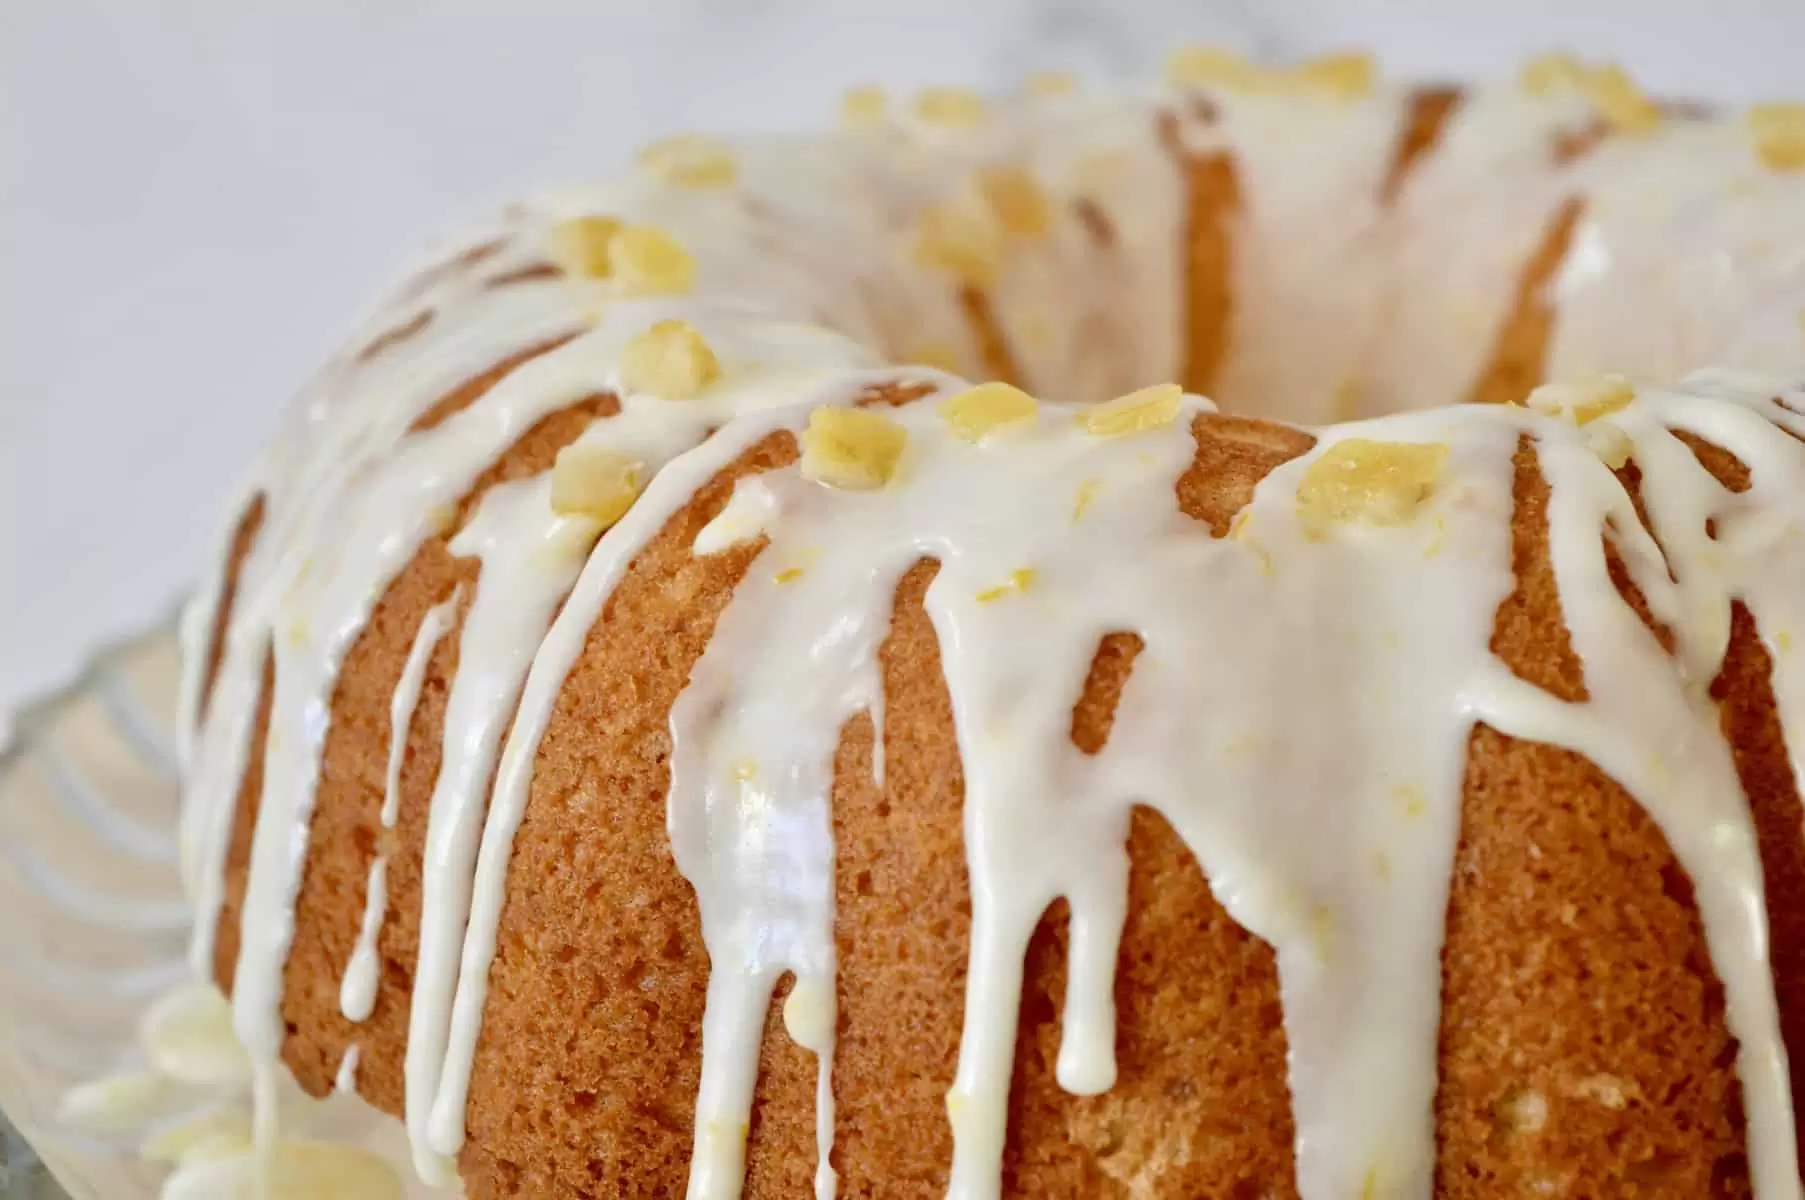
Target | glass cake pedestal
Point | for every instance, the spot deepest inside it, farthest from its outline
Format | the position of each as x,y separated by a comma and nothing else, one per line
92,919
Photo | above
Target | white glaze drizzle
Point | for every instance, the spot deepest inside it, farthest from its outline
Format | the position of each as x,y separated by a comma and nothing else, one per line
1688,253
195,629
442,1133
1309,266
325,605
790,692
357,990
537,554
312,494
822,230
1457,241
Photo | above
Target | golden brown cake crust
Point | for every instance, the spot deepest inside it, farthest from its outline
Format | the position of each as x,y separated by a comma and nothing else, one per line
1582,1039
994,353
1751,724
244,535
1575,967
1430,109
1215,203
1521,351
1582,1044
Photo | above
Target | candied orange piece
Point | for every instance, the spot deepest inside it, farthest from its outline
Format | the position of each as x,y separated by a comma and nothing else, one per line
851,448
1360,481
670,360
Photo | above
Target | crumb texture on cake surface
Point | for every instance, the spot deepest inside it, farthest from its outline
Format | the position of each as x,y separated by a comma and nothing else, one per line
669,748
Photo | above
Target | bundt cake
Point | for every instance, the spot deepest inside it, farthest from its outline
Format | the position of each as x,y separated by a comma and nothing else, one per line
650,741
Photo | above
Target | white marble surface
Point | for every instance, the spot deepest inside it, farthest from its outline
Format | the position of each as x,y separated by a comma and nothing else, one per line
196,197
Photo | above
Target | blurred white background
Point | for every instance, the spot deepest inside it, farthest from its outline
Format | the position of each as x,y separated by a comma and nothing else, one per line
198,196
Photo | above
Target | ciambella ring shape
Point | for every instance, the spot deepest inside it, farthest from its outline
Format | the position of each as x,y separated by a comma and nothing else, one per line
647,740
